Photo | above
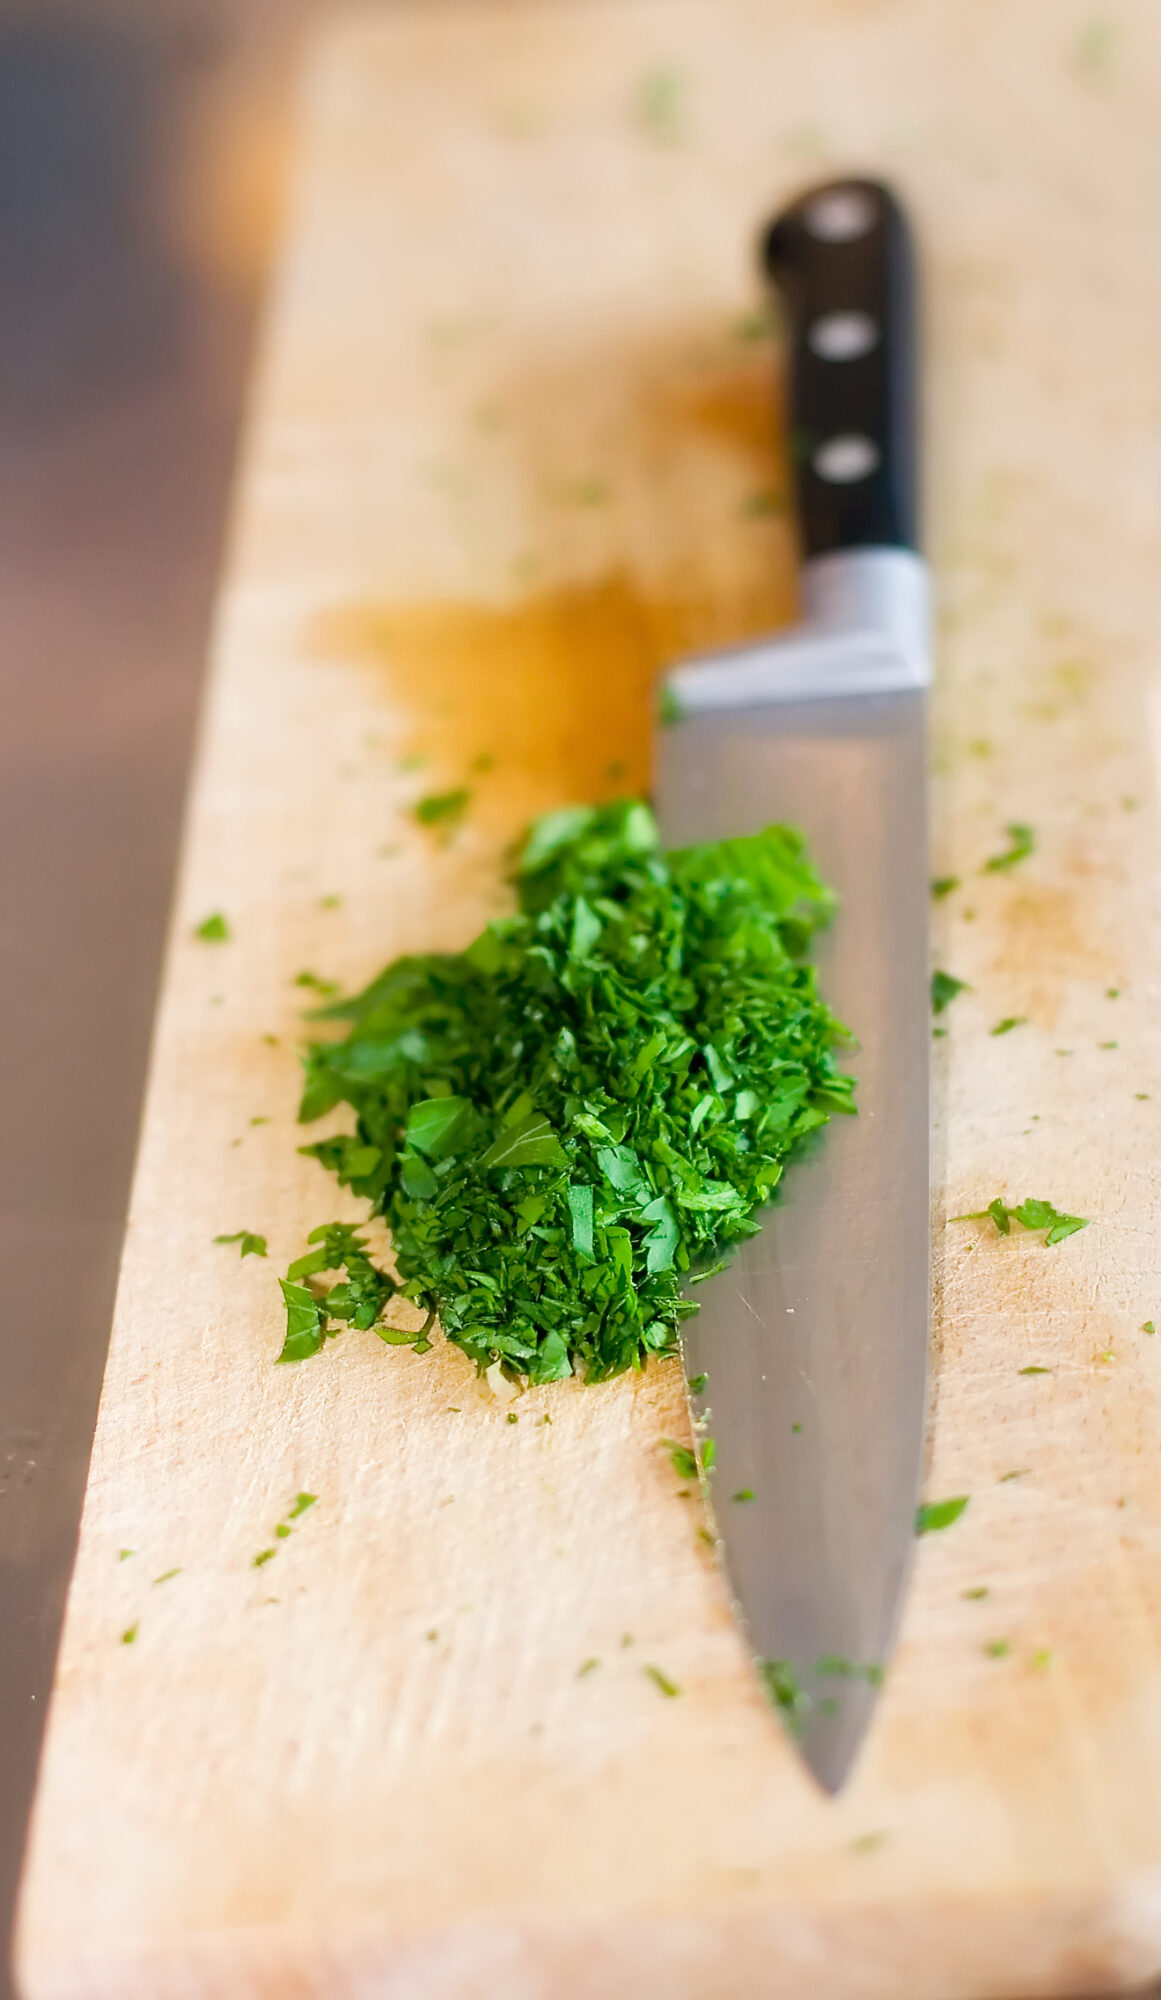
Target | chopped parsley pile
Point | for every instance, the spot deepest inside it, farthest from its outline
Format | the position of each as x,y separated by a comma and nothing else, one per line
565,1123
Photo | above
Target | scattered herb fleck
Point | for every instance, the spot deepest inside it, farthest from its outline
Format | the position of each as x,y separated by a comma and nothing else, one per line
325,988
1022,841
513,1418
261,1120
661,106
780,1683
329,902
1009,1022
936,1514
1034,1368
166,1574
1042,1657
302,1502
754,325
252,1244
1148,1327
944,988
1020,1473
977,1591
681,1458
565,1123
661,1681
944,885
796,1428
263,1556
443,809
123,1555
130,1633
669,709
213,929
867,1843
587,1667
743,1493
1032,1213
283,1530
767,500
697,1384
998,1649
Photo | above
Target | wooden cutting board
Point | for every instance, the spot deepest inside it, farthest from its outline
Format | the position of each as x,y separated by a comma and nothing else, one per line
511,446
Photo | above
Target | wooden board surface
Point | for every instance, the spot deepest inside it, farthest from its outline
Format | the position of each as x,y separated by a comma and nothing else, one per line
510,448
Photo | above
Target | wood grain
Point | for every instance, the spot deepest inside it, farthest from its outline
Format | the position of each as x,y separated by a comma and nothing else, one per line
509,449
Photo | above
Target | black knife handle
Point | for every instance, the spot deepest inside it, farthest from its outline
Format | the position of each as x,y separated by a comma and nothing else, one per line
841,258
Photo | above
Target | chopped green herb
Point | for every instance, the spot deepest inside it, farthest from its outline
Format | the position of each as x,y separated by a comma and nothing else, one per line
1107,1045
1042,1657
1035,1369
1020,1473
998,1649
213,930
166,1574
709,1452
1009,1022
1022,841
767,500
513,1418
754,325
1031,1213
662,1681
261,1120
936,1514
669,709
271,1041
944,988
123,1555
944,885
252,1245
868,1843
130,1633
977,1591
587,1667
443,809
302,1502
697,1383
681,1458
569,1121
329,902
661,105
283,1530
1148,1327
780,1684
743,1493
263,1556
325,988
1112,992
796,1427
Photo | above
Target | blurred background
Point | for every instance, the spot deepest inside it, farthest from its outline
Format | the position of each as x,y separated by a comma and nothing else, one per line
141,162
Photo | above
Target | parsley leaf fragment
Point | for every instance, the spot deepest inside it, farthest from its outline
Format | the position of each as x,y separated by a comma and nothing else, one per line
1021,840
570,1121
213,929
936,1514
944,988
443,809
1031,1213
252,1244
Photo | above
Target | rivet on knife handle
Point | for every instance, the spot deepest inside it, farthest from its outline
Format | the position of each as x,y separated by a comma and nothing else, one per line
842,262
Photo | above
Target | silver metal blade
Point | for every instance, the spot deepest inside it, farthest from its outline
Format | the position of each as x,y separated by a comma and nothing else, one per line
814,1341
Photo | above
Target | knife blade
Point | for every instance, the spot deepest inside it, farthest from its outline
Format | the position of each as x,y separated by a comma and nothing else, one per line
814,1340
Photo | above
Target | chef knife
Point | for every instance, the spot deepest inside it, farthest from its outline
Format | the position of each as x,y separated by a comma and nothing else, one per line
813,1342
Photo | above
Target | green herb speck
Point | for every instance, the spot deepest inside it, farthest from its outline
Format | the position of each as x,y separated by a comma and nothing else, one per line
130,1633
944,988
977,1591
443,809
1032,1213
263,1556
937,1514
1021,843
213,929
661,1681
1009,1022
944,885
252,1244
166,1574
998,1649
587,1667
743,1493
